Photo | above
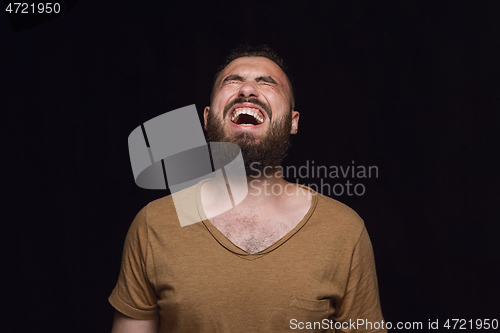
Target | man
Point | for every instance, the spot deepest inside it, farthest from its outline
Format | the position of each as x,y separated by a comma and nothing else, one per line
284,259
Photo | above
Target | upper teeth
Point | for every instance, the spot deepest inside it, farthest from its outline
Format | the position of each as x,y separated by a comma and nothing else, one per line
248,111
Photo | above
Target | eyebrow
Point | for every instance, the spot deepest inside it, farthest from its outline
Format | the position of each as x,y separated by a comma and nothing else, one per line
267,79
236,77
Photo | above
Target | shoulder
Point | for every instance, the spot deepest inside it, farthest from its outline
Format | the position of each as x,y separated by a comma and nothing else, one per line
172,211
332,207
159,208
335,217
156,213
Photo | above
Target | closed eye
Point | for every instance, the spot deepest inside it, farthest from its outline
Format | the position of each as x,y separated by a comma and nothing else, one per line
233,79
266,80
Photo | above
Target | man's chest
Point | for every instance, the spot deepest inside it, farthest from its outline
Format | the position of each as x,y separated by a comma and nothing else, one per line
199,277
253,233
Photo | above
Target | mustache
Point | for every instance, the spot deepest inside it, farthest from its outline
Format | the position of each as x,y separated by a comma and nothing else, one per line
252,100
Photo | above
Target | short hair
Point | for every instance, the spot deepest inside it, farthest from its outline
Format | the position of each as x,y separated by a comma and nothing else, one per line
245,50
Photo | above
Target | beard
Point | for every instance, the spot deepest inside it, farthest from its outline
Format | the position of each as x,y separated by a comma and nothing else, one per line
258,153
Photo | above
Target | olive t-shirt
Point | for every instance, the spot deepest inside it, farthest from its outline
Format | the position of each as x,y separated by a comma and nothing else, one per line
320,277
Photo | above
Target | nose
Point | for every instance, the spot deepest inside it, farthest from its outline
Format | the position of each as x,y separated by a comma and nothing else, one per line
248,89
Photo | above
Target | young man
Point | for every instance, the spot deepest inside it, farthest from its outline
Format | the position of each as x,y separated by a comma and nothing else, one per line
284,259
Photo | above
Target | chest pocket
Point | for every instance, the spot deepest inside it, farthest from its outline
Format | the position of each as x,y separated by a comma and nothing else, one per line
311,305
306,315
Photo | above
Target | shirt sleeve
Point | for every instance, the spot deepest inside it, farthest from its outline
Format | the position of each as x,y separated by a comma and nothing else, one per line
134,294
361,303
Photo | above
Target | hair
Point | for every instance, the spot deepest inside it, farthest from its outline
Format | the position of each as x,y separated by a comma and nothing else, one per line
245,50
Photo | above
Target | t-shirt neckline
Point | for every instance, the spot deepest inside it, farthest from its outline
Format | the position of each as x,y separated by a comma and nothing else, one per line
231,247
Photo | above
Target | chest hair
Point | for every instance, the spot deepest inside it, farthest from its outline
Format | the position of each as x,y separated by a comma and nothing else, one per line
250,232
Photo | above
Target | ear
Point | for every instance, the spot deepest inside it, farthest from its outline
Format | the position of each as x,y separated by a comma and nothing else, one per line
295,122
205,116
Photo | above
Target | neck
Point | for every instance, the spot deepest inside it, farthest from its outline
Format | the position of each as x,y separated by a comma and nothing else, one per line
264,190
266,186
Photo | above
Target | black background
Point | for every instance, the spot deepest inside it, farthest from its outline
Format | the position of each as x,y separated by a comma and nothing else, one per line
411,87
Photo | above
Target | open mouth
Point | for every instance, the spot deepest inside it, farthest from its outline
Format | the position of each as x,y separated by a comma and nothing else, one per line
247,116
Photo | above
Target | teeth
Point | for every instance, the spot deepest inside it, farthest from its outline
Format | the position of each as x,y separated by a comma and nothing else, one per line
248,111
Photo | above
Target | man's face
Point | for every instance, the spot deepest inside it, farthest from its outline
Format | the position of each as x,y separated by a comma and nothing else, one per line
251,107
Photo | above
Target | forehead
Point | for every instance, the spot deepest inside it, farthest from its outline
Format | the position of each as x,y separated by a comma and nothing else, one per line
252,67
